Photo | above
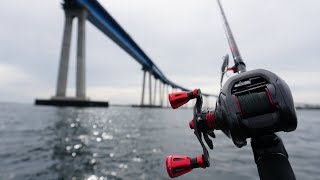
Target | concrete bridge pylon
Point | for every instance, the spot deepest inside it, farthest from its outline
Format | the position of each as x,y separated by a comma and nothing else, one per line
80,98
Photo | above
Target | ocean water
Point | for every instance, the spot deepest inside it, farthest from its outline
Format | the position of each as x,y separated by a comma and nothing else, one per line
40,142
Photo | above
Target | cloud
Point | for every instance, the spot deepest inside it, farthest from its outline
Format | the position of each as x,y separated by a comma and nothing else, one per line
18,85
116,95
12,75
185,38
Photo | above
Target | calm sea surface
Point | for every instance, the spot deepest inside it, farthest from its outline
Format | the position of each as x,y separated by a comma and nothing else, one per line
130,143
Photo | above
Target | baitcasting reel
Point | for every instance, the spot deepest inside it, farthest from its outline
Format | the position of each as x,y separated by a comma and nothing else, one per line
250,104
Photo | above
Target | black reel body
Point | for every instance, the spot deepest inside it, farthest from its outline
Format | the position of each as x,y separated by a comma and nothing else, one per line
254,103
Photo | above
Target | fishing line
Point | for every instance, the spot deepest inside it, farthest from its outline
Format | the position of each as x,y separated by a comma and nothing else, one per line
255,104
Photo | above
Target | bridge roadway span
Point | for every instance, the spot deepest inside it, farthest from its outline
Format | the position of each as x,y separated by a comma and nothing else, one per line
99,17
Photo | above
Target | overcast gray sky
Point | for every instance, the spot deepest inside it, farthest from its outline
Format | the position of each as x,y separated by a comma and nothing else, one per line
185,38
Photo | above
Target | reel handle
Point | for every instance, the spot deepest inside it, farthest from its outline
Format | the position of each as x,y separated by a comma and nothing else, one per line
178,165
178,99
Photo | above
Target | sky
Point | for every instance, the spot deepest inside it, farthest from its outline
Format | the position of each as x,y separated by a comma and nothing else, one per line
185,38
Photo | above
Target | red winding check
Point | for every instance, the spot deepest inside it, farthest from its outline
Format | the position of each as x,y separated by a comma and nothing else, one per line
234,69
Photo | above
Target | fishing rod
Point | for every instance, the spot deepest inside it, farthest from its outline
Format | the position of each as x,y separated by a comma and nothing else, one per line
252,105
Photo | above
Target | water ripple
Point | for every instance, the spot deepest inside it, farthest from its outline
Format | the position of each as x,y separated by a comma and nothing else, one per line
130,143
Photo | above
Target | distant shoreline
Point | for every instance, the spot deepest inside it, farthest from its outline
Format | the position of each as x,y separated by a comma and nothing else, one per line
308,108
299,107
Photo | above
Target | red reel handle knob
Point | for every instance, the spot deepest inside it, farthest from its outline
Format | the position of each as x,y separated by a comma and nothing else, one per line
178,165
178,99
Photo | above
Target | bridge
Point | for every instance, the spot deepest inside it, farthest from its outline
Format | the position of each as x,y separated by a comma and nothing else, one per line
93,11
